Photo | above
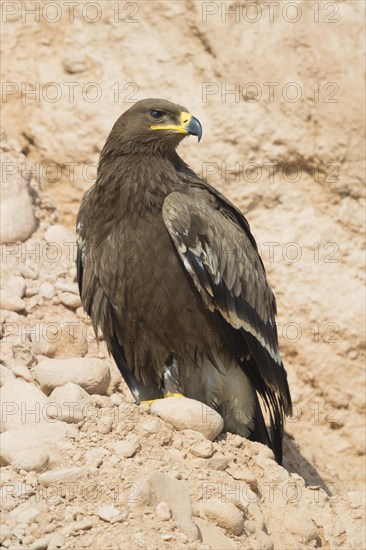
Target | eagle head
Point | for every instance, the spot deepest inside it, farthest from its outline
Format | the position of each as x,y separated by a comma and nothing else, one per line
153,124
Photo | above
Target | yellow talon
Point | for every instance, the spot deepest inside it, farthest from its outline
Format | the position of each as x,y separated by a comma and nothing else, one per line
149,402
168,394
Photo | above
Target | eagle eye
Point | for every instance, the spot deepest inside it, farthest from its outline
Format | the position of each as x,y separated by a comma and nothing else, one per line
154,113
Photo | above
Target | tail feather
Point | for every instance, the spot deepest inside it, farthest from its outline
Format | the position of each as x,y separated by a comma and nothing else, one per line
260,432
139,390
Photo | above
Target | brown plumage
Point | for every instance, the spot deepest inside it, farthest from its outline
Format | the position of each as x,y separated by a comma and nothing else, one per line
169,271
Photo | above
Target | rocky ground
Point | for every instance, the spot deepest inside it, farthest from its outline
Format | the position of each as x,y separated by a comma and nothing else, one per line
82,466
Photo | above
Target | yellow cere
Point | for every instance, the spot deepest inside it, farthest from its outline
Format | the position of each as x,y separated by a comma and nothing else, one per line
181,129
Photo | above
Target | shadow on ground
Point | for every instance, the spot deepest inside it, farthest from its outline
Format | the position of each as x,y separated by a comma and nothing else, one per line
296,463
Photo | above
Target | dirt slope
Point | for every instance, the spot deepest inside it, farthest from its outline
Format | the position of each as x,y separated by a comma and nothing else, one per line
278,91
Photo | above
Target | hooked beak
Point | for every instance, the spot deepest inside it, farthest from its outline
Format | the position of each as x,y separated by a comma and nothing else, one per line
189,125
194,127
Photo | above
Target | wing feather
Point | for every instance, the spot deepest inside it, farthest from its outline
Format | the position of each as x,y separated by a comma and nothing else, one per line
225,266
221,261
90,263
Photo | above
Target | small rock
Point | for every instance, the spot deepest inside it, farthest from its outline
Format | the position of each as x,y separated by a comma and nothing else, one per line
74,512
250,526
10,317
300,525
17,220
30,291
40,544
236,440
75,526
15,285
263,540
8,501
277,473
266,452
74,64
21,402
128,447
19,532
114,460
163,511
31,460
203,449
56,541
5,532
64,475
102,401
11,302
6,375
157,487
33,302
43,435
22,490
193,435
108,513
47,290
90,373
213,536
25,512
67,287
26,271
177,455
184,413
243,474
238,496
81,313
70,300
218,462
224,514
152,426
116,399
72,401
20,371
122,516
60,235
105,424
94,457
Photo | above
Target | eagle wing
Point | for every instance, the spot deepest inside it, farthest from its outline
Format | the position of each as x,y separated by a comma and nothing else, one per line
95,292
218,251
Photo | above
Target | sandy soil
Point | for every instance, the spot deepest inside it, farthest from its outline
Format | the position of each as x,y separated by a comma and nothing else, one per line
278,91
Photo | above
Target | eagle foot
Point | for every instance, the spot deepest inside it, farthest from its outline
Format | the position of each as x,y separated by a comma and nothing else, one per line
170,381
166,395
